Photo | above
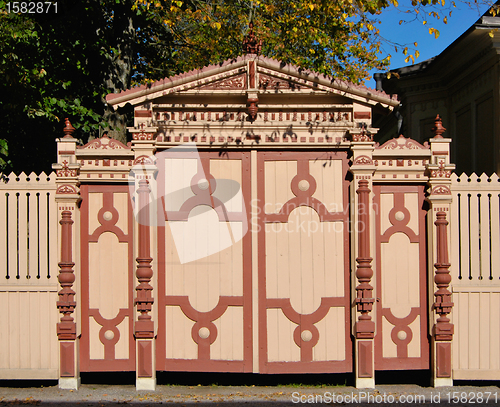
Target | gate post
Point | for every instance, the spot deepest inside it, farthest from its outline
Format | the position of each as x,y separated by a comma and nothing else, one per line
362,169
67,197
144,327
439,171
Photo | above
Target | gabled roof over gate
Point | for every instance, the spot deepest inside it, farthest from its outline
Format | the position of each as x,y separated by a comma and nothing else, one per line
250,72
251,97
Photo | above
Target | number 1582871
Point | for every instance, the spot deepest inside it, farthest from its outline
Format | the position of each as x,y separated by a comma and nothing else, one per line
32,7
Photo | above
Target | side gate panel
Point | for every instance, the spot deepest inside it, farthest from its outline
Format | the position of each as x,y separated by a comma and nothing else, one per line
204,262
303,242
402,335
107,342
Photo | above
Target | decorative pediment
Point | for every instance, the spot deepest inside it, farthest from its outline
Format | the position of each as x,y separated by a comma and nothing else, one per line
402,143
104,143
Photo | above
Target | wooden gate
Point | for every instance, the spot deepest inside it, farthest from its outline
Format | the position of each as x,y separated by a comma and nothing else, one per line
204,263
107,279
274,300
402,340
303,262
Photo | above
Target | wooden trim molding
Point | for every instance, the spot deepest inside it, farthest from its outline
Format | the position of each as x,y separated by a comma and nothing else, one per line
66,329
365,327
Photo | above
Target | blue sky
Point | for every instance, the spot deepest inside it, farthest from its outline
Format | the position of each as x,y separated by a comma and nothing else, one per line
461,19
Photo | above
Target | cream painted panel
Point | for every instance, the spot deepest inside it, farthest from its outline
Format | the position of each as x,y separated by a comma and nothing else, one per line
180,344
178,175
273,260
224,170
494,339
474,330
279,175
281,346
328,175
120,203
36,346
108,275
386,204
229,342
411,203
122,346
95,204
400,278
414,345
331,343
476,316
333,254
389,348
96,346
304,260
207,278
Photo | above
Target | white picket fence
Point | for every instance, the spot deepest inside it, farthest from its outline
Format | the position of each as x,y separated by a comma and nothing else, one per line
475,259
28,277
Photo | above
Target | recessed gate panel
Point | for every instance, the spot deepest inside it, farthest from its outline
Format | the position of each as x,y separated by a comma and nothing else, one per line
303,262
204,262
107,342
401,341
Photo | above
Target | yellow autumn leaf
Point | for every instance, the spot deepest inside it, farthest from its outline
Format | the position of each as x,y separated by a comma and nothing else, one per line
415,43
417,54
491,34
311,6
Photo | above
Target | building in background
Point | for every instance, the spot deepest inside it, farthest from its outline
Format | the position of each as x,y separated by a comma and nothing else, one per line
462,84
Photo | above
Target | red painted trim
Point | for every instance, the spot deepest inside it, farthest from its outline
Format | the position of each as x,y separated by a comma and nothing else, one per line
365,364
443,359
144,358
109,363
67,359
402,361
362,115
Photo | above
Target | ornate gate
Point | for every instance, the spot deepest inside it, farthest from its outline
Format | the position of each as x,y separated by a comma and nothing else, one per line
287,237
303,264
107,279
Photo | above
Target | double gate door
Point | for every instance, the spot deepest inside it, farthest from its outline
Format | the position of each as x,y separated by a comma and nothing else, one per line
251,262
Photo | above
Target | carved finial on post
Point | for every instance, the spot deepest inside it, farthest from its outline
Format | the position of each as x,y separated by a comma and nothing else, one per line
68,129
438,128
250,43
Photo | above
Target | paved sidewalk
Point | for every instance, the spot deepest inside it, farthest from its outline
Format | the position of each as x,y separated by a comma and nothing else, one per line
227,396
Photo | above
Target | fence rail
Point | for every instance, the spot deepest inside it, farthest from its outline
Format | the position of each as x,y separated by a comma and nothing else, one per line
28,276
475,270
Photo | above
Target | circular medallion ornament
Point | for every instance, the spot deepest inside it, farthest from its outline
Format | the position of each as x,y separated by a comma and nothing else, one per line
306,335
203,184
399,215
402,335
204,333
109,334
304,186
